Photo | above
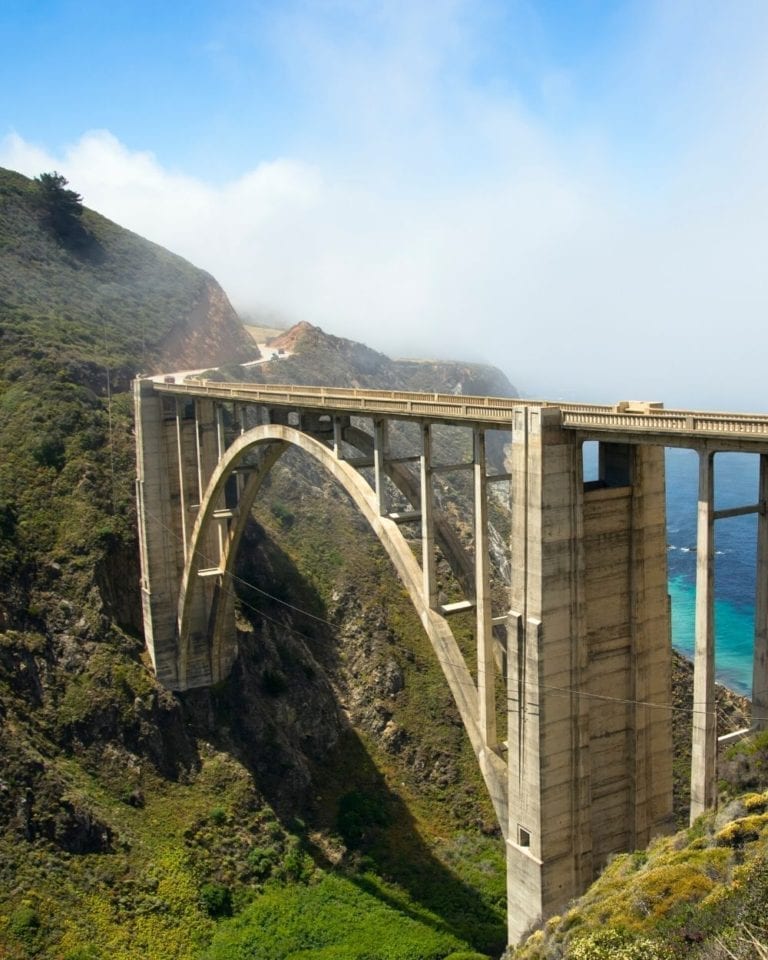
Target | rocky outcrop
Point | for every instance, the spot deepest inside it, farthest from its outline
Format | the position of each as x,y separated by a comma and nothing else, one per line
319,358
209,336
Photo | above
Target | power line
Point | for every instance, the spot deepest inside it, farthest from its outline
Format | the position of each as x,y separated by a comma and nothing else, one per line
569,691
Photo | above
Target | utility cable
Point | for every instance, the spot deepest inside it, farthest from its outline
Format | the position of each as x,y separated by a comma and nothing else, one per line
565,691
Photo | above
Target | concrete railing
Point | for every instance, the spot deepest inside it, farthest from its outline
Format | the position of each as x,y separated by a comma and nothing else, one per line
684,423
437,406
621,418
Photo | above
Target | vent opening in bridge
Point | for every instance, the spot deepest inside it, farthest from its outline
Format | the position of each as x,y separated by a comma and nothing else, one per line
523,837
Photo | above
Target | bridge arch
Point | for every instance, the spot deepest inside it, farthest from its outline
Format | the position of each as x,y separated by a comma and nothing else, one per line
271,441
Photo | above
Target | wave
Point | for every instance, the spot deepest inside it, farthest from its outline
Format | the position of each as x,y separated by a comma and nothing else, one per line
718,553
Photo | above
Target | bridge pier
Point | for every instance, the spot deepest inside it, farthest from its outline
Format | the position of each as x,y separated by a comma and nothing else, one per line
179,444
705,743
160,531
486,664
590,770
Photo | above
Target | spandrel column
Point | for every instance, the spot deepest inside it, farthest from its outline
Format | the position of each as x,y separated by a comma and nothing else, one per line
704,744
760,664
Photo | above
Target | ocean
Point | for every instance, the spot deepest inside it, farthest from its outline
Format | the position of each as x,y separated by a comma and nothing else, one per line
736,484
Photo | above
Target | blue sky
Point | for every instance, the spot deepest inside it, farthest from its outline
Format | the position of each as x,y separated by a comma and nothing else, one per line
575,191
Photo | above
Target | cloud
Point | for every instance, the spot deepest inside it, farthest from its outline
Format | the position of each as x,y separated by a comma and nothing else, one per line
428,213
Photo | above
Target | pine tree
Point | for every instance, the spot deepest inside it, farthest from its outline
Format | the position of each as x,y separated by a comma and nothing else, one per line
62,211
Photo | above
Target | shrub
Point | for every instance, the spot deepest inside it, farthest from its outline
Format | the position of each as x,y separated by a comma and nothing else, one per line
262,861
741,831
467,955
617,945
358,813
274,682
297,866
666,887
282,514
216,899
84,953
755,802
24,925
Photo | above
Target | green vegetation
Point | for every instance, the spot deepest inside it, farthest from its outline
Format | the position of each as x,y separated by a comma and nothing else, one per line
73,316
137,823
685,896
62,212
331,918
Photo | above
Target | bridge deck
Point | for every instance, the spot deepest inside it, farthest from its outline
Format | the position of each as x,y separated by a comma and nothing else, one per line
627,421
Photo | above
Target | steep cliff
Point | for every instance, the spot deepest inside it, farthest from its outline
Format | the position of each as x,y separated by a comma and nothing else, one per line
114,304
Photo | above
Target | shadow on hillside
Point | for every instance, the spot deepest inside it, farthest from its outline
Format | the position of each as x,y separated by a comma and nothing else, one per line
279,713
376,823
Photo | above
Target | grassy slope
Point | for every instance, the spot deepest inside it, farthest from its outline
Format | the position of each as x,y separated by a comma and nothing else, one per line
112,306
71,678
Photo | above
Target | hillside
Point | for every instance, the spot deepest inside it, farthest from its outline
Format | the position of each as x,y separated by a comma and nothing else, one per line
317,358
330,768
77,320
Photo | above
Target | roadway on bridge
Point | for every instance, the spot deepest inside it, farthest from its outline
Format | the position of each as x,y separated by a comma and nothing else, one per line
627,421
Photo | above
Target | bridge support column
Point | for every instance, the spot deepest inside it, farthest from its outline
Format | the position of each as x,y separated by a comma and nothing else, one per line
427,520
590,770
380,451
704,744
486,666
760,666
647,662
548,842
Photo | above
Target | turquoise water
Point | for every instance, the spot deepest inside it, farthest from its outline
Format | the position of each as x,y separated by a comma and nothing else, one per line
735,546
734,628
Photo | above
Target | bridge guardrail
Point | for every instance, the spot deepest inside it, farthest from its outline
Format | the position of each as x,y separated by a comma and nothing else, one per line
671,421
619,418
448,406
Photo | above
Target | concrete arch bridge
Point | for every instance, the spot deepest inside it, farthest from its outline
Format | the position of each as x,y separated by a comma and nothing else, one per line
581,644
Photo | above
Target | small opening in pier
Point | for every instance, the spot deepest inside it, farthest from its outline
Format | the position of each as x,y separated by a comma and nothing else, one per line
523,837
606,465
589,461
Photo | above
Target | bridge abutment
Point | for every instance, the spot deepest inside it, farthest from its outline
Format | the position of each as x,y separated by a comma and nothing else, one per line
160,529
178,447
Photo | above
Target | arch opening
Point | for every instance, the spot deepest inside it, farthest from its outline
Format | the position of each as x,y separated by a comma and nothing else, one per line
206,603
